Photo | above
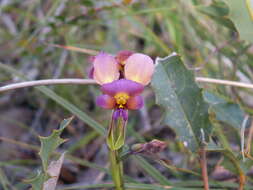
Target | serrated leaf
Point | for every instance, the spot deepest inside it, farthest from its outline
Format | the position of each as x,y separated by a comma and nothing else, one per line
185,109
224,110
37,182
50,143
53,171
240,12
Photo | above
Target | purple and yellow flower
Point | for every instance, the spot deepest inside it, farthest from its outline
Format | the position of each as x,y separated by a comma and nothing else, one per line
122,79
121,95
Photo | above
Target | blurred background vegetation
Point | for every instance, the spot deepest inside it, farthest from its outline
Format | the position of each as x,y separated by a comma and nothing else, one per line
198,30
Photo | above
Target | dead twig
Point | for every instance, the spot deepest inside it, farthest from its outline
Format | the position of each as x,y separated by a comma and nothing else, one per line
224,82
45,82
203,163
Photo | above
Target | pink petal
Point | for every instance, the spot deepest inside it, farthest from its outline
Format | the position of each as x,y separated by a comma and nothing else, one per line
130,87
105,68
122,56
134,103
105,101
139,68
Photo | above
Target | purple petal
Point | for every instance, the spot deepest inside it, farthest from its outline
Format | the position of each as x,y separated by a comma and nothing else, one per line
130,87
105,101
120,113
135,103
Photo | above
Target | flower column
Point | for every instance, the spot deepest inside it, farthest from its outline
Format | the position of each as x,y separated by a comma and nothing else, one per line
122,79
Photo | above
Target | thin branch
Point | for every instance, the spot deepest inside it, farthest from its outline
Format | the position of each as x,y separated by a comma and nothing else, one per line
224,82
45,82
90,81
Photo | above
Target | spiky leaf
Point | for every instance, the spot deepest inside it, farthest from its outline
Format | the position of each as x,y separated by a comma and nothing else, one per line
37,181
50,143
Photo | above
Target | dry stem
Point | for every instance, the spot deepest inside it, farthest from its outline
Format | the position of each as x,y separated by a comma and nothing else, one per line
203,164
45,82
224,82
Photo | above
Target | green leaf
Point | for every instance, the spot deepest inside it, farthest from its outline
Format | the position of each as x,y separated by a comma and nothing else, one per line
240,12
37,182
185,109
50,143
218,11
224,110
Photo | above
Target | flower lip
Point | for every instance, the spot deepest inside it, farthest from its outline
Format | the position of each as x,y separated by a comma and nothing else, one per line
122,86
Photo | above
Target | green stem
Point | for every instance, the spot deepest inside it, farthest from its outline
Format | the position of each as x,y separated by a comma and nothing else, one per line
116,169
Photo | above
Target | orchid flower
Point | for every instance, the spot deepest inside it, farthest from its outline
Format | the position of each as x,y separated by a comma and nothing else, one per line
122,79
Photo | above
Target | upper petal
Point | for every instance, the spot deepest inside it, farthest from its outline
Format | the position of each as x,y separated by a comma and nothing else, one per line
105,101
122,56
127,86
134,103
139,68
105,68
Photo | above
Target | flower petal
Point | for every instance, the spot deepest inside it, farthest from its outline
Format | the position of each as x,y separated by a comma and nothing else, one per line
139,68
134,103
105,101
127,86
122,56
105,68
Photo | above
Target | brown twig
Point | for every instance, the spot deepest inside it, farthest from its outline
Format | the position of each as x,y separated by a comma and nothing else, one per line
203,163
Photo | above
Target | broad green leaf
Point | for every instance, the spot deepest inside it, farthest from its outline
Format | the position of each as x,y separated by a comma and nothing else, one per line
185,109
50,143
224,110
240,12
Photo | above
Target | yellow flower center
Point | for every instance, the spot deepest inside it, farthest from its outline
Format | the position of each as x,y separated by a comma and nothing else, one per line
121,99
